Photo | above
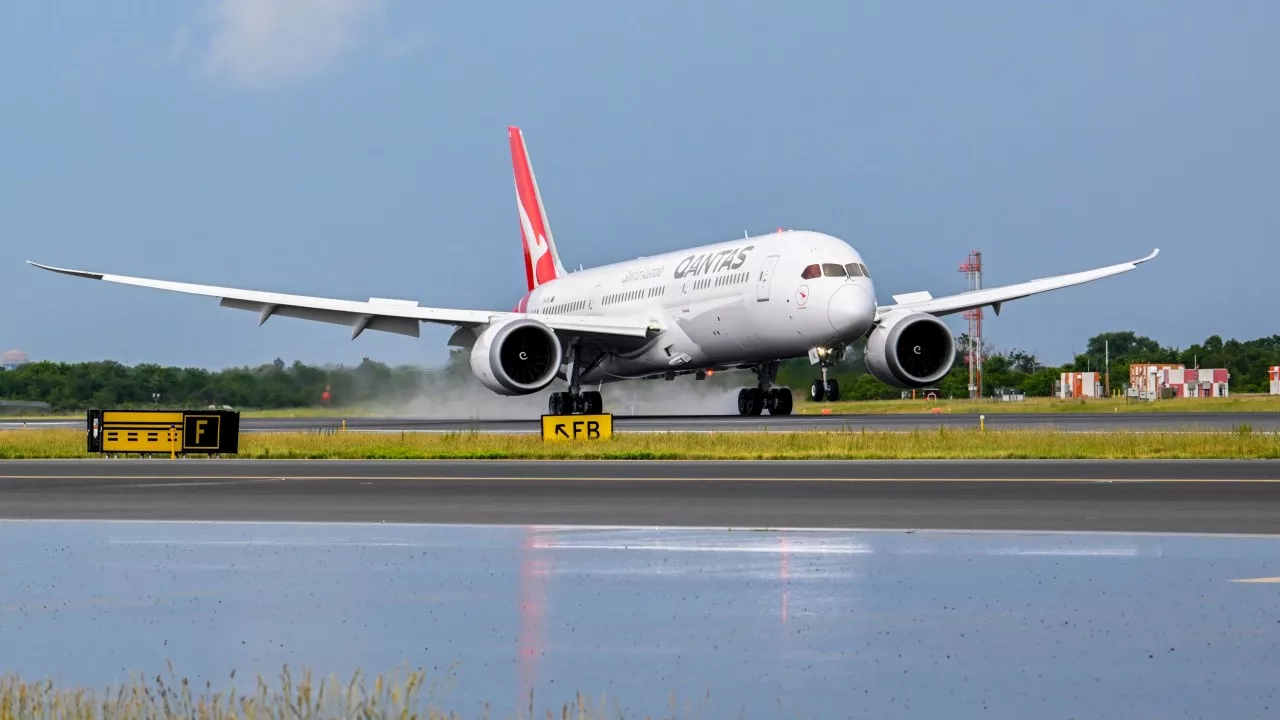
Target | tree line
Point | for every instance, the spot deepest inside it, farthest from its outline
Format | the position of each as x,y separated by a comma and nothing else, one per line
1247,362
73,387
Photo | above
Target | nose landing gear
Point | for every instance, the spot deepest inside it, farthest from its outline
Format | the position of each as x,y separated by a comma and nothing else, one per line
822,388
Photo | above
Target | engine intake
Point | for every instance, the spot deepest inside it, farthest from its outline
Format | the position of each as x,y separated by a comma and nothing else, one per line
516,357
910,350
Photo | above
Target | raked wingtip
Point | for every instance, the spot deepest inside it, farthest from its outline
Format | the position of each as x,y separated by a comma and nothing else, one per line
65,271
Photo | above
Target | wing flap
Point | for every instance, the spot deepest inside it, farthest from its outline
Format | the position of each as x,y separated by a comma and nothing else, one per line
997,296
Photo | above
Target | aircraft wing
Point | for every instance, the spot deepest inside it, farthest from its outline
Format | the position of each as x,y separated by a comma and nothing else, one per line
396,316
996,296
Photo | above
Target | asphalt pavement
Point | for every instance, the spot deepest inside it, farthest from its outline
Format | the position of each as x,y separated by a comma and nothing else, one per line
1137,496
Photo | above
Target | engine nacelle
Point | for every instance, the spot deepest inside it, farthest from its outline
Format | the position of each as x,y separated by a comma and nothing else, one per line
516,357
910,350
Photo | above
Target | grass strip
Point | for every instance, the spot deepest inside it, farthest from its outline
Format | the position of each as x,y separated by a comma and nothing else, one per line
401,696
942,443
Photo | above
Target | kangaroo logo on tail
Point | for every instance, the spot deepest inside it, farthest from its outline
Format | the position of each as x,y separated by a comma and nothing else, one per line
541,262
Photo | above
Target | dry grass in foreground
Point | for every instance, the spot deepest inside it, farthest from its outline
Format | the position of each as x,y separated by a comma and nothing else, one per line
853,444
305,698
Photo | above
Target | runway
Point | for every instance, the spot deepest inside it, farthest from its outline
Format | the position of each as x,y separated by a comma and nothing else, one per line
1117,496
1080,422
1261,421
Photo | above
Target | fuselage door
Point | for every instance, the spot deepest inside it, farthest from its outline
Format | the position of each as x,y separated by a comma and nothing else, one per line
765,280
594,302
684,297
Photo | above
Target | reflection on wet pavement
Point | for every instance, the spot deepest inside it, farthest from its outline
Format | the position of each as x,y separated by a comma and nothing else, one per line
796,623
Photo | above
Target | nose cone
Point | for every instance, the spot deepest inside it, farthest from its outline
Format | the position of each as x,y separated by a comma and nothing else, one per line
851,310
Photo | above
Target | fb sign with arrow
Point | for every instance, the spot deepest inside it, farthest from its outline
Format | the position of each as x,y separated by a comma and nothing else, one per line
577,427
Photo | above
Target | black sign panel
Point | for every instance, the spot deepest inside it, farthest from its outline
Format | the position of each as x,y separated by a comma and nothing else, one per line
163,431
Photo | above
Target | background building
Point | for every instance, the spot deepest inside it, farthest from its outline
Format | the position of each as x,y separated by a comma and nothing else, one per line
1080,384
1150,381
12,359
1145,378
1275,380
1202,382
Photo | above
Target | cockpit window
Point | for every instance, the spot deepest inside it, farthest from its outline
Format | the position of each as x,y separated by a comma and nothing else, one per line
865,271
833,270
811,272
855,270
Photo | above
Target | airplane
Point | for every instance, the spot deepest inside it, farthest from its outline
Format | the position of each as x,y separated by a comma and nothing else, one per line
743,304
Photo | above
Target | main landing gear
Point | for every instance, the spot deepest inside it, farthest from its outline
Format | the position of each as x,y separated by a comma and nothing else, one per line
570,403
777,400
575,402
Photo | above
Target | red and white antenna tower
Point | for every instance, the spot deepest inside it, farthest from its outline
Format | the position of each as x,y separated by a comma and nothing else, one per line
972,268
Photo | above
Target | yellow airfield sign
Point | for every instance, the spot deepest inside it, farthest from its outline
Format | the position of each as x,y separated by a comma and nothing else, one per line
577,427
162,431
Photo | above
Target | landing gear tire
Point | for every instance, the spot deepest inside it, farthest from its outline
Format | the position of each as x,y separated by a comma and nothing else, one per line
833,390
750,401
566,403
560,403
817,392
778,401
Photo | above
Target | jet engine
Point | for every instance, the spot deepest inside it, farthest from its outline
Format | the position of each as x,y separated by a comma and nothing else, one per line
516,357
910,350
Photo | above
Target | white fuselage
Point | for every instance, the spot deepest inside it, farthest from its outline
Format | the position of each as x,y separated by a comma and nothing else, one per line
723,305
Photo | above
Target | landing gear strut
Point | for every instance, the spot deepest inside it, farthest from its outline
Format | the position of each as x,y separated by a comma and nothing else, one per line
777,400
822,388
575,402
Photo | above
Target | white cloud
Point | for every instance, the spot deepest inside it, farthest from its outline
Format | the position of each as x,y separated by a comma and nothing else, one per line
265,43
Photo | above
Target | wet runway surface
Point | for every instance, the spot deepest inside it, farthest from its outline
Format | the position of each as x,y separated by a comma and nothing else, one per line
1149,496
1083,422
736,623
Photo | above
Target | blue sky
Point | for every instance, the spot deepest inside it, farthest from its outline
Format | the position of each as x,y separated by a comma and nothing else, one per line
351,148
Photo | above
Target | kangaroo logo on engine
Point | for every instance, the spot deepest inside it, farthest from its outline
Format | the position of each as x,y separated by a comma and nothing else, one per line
715,262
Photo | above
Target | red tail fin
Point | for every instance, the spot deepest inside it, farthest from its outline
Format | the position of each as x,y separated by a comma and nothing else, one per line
541,262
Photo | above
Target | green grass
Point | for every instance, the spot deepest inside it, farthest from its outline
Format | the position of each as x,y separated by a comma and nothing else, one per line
304,698
851,444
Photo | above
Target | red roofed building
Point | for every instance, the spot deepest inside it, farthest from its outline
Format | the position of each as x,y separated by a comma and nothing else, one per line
1275,380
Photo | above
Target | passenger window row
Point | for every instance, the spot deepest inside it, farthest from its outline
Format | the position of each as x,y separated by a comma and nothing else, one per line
835,270
733,279
656,291
720,281
623,297
562,308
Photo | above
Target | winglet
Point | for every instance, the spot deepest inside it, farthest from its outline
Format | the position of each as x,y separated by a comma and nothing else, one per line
1152,256
65,271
